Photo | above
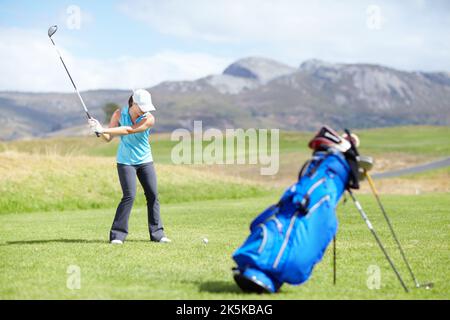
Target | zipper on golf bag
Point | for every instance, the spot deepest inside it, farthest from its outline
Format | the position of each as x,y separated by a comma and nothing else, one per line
269,237
291,226
279,226
264,239
277,222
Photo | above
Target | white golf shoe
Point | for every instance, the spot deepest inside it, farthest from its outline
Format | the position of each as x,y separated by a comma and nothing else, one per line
116,241
164,240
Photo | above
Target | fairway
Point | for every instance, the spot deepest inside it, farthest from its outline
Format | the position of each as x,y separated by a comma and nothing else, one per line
36,250
58,199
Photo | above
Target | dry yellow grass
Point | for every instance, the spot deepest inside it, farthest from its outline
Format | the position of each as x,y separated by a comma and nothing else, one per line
290,164
395,161
410,186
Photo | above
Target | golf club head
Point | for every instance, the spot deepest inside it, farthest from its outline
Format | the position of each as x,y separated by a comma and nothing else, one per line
52,30
327,137
365,162
353,137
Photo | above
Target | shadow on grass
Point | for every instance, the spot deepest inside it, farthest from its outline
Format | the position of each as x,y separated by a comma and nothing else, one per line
47,241
219,287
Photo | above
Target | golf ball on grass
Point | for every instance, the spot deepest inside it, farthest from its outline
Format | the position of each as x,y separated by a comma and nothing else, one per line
205,240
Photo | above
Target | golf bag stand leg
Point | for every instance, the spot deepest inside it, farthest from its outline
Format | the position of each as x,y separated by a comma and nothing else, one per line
334,260
388,221
369,225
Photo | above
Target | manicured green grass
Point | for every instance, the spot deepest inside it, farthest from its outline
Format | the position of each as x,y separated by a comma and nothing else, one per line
416,140
37,248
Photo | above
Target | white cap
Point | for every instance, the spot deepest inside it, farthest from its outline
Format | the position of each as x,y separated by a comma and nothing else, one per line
144,100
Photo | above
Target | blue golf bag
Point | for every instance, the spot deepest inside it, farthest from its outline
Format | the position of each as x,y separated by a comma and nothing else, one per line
287,239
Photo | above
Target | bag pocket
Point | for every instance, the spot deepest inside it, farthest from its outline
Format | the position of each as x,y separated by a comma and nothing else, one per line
284,249
270,240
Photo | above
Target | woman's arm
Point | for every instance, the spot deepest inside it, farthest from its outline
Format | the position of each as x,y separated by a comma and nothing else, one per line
113,123
147,122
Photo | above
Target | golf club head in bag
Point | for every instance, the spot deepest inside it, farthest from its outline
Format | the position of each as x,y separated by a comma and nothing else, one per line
327,137
352,138
365,164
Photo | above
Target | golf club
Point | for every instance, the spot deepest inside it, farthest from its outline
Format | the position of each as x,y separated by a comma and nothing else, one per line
377,197
51,31
372,230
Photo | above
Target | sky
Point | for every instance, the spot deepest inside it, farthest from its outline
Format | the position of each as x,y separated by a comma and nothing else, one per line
119,44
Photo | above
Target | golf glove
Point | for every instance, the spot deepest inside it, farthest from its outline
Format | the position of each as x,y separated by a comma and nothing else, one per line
95,126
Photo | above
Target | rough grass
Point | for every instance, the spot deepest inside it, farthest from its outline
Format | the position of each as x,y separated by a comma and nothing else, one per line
434,181
37,248
47,183
80,173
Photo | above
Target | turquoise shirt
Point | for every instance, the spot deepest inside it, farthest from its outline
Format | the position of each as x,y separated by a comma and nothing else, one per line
134,148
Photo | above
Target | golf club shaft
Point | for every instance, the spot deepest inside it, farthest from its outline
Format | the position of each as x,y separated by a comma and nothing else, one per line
73,83
377,197
71,80
369,225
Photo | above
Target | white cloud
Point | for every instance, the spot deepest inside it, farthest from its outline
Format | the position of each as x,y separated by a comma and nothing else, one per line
235,21
414,35
28,62
293,30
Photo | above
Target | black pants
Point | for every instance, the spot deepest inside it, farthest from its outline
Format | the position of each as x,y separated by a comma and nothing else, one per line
147,177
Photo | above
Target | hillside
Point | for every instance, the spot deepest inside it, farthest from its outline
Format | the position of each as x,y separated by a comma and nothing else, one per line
254,92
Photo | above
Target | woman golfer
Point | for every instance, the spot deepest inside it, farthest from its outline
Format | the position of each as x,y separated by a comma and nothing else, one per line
134,158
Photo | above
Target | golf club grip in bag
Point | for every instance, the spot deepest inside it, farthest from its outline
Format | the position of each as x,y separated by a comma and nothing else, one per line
289,238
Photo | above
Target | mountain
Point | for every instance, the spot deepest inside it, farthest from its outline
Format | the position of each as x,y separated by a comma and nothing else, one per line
260,69
254,92
38,114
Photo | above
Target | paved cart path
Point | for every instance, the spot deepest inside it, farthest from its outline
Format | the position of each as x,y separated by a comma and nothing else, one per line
416,169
